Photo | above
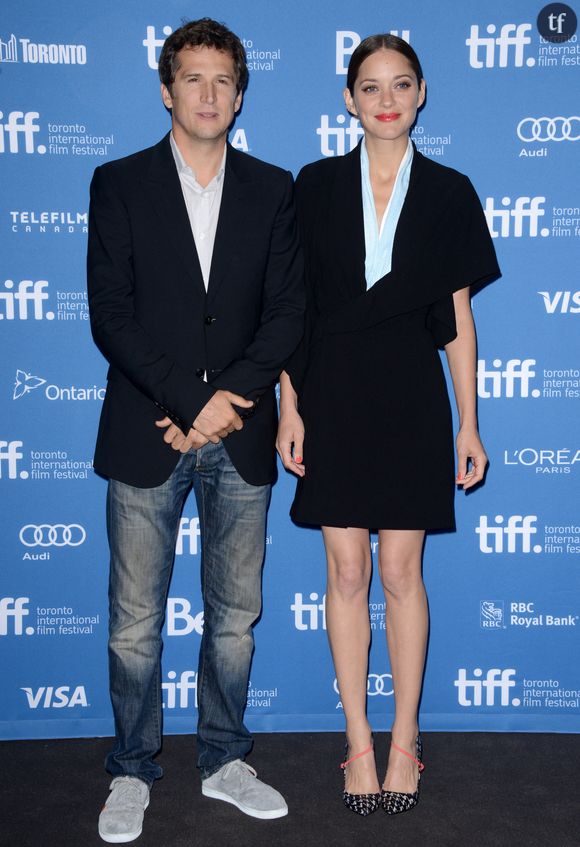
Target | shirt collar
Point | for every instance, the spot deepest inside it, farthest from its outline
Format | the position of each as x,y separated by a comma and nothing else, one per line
183,168
403,167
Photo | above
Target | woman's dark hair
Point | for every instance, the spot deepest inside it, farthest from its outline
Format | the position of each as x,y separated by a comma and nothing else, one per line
202,33
373,43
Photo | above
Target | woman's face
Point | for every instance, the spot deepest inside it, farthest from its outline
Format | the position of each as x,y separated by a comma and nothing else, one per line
386,95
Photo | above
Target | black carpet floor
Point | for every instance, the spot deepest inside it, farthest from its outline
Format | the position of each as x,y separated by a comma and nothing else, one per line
478,790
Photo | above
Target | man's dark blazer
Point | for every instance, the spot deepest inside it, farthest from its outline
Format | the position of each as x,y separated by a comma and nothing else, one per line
158,328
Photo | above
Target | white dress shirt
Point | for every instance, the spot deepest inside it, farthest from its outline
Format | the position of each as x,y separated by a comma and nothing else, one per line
203,206
379,241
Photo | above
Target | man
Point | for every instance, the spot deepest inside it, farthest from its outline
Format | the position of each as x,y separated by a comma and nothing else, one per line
195,292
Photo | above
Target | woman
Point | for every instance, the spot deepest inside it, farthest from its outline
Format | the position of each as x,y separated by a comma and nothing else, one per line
393,243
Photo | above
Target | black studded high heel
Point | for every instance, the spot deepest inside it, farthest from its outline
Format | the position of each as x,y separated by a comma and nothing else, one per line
395,802
360,804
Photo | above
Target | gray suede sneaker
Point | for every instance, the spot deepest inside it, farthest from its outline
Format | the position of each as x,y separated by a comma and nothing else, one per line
121,819
237,783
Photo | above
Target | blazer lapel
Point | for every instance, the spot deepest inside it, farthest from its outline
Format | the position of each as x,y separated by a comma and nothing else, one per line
231,217
164,189
345,232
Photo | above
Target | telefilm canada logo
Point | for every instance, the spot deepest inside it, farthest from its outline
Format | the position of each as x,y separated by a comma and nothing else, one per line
13,49
27,221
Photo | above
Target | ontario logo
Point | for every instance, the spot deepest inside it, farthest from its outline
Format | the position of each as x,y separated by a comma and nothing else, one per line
26,383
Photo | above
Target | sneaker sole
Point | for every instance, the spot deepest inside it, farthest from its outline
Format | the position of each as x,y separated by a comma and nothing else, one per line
122,838
247,810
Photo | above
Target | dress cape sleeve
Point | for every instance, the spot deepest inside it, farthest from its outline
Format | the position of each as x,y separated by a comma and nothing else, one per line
452,250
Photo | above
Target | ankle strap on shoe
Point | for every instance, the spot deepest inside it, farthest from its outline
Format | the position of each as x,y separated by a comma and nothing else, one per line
409,756
358,755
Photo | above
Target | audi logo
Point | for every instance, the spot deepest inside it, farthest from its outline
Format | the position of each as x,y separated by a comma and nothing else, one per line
376,684
549,129
55,535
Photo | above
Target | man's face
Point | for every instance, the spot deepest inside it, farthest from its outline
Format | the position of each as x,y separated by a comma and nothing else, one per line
203,99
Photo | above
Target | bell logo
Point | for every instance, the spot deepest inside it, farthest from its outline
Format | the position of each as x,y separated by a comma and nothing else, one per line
495,680
180,621
523,527
525,214
171,690
347,42
482,52
56,698
309,615
20,126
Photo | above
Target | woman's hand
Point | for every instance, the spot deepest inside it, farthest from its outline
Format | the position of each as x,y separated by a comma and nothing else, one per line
290,441
469,447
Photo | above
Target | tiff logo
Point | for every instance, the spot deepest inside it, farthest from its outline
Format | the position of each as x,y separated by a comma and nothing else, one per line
20,124
171,690
556,22
10,455
309,615
151,43
56,698
491,538
14,609
561,301
498,382
525,209
338,134
347,42
511,36
188,528
29,292
495,680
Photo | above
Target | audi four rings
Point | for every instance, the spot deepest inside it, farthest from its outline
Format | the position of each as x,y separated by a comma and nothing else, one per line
549,129
376,684
55,535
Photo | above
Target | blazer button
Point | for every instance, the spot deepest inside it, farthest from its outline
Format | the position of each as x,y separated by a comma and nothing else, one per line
209,320
200,372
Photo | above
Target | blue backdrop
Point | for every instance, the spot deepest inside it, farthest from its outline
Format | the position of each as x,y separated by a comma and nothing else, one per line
79,87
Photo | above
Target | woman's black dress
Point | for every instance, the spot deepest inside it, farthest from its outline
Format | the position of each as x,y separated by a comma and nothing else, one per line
378,446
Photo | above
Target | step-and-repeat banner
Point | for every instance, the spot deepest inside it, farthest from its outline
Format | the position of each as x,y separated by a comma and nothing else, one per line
79,87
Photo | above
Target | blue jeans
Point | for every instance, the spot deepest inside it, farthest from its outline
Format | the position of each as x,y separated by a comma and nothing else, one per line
142,527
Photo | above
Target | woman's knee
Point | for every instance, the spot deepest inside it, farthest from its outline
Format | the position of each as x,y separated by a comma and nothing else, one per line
400,576
348,577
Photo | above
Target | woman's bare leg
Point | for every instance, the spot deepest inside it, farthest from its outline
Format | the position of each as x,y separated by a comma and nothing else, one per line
347,621
400,553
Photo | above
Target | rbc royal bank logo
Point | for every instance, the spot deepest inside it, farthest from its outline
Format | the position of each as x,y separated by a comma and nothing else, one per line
496,681
511,536
13,611
515,218
26,301
506,49
491,615
512,379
